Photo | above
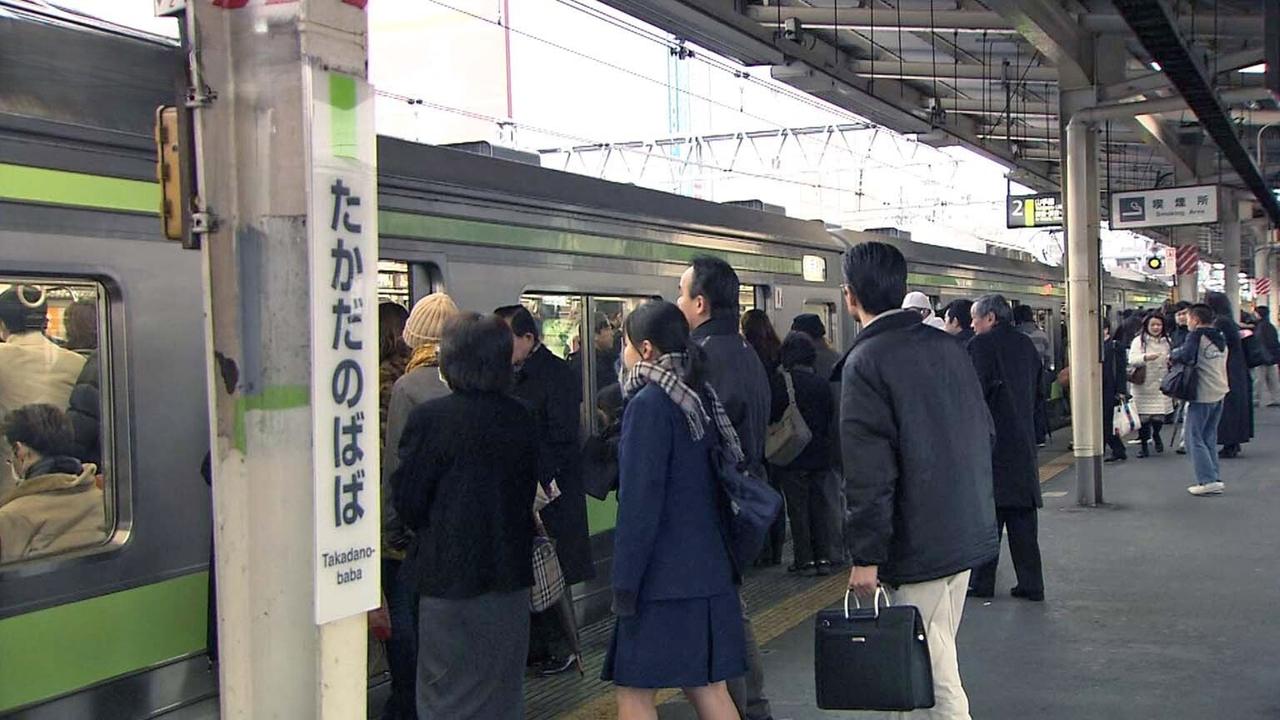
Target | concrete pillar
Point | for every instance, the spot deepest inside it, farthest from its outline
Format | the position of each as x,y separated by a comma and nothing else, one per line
1084,302
1187,287
1230,220
285,171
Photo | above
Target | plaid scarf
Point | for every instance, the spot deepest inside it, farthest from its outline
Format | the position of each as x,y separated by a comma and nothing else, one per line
666,374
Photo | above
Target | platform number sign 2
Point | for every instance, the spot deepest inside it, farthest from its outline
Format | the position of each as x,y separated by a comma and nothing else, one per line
342,230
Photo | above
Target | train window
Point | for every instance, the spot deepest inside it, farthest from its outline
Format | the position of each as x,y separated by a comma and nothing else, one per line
57,486
826,312
747,298
559,317
393,282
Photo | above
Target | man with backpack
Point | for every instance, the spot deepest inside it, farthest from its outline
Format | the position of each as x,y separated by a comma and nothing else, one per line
1205,354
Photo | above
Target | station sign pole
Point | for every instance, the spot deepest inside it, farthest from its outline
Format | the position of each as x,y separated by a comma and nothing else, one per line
282,121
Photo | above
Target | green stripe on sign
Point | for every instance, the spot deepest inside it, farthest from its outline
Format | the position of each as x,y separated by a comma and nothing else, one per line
60,187
55,651
342,115
393,223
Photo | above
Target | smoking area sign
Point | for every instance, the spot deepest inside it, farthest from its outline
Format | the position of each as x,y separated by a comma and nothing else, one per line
1191,205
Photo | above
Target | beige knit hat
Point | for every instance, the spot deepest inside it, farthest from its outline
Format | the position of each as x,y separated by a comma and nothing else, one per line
426,321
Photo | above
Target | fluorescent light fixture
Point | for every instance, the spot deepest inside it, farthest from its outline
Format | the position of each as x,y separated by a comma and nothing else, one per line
1156,66
1219,266
1255,69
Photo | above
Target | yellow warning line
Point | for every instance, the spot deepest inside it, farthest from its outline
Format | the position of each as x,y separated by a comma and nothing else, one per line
1056,466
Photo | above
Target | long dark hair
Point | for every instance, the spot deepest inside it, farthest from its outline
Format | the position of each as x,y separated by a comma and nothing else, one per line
1220,304
761,336
666,328
391,319
1164,324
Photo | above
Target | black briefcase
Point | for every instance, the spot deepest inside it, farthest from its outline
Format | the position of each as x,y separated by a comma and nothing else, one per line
873,658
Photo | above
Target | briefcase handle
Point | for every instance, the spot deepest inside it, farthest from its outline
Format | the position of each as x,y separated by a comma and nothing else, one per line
875,601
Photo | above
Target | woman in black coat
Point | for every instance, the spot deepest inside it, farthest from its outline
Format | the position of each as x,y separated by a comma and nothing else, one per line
811,488
1114,385
466,488
1236,426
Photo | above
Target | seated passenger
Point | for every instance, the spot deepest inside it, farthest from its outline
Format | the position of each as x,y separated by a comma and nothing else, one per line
33,369
55,505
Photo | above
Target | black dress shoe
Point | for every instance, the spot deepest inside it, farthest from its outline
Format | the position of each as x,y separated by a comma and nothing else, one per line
1116,458
983,595
1023,594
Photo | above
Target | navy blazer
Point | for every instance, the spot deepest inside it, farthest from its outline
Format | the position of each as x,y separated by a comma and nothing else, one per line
669,542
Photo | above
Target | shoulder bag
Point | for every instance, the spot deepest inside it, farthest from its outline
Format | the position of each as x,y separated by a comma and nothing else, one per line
788,437
872,659
1181,382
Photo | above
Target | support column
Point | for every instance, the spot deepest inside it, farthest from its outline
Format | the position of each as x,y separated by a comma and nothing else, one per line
286,118
1230,219
1084,303
1273,271
1187,286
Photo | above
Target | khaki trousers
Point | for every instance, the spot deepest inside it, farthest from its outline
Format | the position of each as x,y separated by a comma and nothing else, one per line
941,604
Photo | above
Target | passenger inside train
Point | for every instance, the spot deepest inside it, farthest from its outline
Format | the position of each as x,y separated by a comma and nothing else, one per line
55,504
33,368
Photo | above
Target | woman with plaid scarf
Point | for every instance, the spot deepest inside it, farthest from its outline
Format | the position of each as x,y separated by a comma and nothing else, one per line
679,620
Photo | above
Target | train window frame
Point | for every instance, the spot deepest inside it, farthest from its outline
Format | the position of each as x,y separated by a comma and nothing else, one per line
830,320
116,459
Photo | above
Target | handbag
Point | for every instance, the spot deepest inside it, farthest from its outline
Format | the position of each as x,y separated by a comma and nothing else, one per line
788,437
872,659
1123,420
1137,375
548,578
600,462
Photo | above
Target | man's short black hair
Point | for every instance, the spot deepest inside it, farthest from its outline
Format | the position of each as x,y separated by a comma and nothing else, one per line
959,310
1262,311
520,320
877,274
715,280
23,309
1180,306
1023,314
475,353
43,428
1203,313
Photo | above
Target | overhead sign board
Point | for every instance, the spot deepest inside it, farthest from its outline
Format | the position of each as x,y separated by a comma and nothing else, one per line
343,231
1191,205
1035,211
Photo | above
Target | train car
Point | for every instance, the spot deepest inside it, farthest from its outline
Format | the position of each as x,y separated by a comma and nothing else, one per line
117,628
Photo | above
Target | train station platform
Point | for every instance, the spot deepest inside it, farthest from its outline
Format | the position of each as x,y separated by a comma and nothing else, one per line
1159,605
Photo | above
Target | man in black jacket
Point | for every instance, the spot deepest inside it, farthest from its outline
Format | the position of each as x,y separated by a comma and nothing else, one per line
552,392
709,300
917,461
1009,366
1266,381
958,319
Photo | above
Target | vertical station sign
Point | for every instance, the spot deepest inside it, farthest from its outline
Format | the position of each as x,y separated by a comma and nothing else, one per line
343,235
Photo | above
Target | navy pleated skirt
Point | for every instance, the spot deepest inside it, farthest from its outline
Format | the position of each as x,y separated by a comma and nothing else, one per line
678,644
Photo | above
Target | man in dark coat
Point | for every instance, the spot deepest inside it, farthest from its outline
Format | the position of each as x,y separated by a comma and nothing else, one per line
1236,426
811,326
1009,367
921,512
709,300
1266,379
552,392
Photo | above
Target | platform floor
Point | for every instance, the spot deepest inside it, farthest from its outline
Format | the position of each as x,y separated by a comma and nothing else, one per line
1160,605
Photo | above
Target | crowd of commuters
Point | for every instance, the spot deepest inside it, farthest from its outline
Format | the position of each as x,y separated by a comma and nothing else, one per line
481,424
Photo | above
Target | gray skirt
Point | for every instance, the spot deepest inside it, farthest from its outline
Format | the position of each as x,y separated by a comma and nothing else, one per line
471,656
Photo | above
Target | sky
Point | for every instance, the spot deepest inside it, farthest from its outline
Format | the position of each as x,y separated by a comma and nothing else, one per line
557,75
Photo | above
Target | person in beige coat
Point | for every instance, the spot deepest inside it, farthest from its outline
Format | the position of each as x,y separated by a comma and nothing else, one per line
33,369
1150,350
55,504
